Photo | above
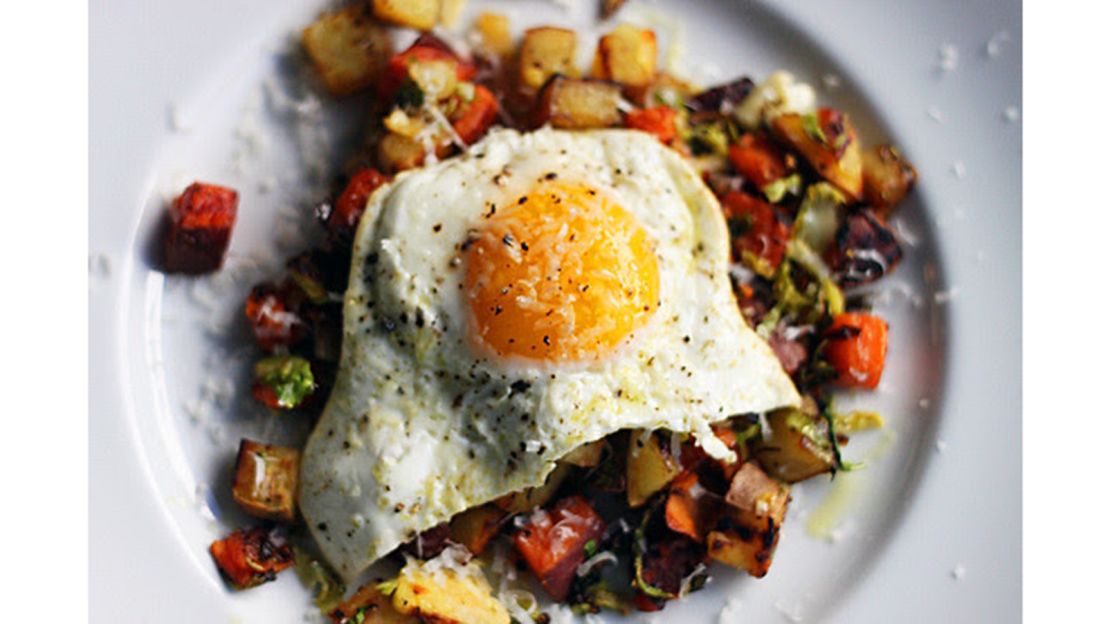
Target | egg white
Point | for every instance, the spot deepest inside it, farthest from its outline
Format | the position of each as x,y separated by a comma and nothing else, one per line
420,426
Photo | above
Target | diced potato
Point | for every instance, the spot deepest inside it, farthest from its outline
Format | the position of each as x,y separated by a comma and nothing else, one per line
842,164
527,500
493,28
887,177
755,509
347,48
609,7
436,78
397,152
798,447
585,456
578,104
418,14
448,595
449,11
545,52
374,607
627,55
266,480
474,528
650,468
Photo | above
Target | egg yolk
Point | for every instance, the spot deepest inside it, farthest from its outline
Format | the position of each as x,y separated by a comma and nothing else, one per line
562,274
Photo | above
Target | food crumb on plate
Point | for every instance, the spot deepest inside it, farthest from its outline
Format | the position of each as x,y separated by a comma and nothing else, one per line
792,613
934,113
831,81
994,45
730,613
944,296
1011,114
959,169
941,446
959,571
949,57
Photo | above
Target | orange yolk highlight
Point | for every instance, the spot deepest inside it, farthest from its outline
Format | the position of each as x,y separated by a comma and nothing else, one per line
563,274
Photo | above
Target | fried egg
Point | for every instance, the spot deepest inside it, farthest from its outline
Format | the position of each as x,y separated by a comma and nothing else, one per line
506,306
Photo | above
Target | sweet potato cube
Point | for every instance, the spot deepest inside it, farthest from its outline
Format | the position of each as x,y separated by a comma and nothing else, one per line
418,14
495,34
201,220
545,52
553,542
368,606
578,104
266,480
348,49
627,55
250,557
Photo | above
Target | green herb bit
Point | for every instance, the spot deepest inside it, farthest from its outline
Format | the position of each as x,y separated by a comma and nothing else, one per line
289,376
590,548
777,190
813,128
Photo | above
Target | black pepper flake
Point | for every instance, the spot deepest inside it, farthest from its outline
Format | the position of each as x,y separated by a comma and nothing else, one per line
419,317
323,526
522,200
389,325
547,340
507,239
551,176
685,339
437,227
519,386
524,245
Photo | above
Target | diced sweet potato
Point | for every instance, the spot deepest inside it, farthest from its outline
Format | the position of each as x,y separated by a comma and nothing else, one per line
691,509
798,447
266,480
495,34
418,14
758,159
351,203
545,52
758,237
368,606
856,348
273,320
448,595
474,528
348,48
827,140
553,542
201,220
887,177
250,557
476,116
579,104
754,511
627,55
650,468
657,120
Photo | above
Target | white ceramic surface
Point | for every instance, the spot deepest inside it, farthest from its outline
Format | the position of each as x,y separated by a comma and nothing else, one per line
207,90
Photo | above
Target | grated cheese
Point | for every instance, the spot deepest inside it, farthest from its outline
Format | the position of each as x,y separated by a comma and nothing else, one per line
959,571
598,559
994,45
934,113
1011,114
949,57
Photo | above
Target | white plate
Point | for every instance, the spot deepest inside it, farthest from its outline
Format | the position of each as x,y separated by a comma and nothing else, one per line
179,93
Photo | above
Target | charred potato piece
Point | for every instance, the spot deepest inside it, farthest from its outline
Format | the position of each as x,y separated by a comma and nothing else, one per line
527,500
887,178
609,7
578,104
474,528
649,468
828,141
447,596
266,480
418,14
495,34
545,52
755,508
798,447
368,606
627,55
347,48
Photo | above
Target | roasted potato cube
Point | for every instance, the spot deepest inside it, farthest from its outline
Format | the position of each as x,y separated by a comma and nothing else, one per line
449,11
200,224
545,52
494,33
627,55
650,468
887,177
418,14
368,606
827,140
527,500
578,104
266,480
397,152
609,7
798,447
447,596
585,456
755,508
474,528
347,48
